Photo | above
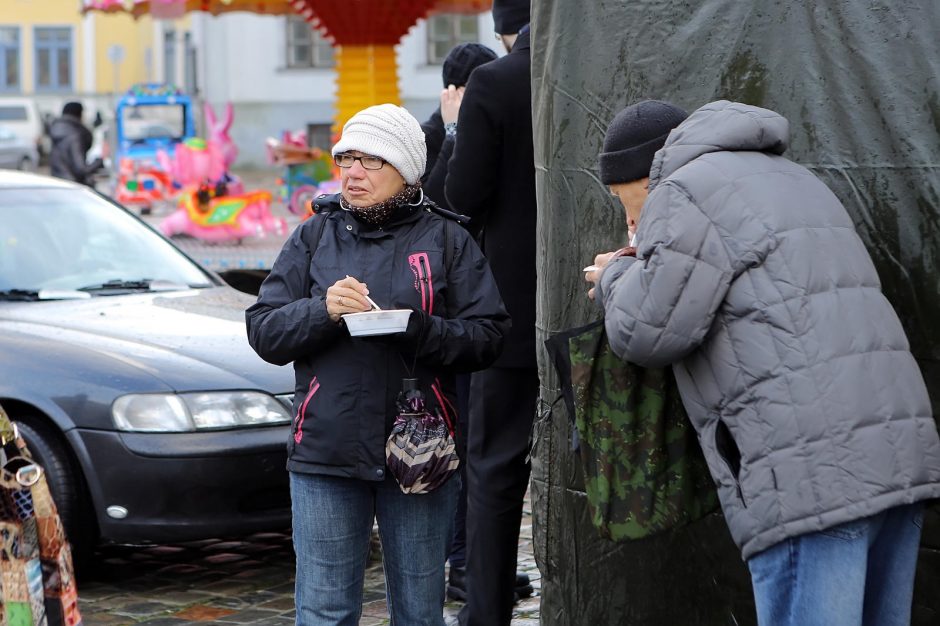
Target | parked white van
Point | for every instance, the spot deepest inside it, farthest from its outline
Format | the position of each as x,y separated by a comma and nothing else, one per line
21,115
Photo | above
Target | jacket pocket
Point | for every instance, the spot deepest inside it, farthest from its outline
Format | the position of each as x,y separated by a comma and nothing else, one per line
298,433
424,285
731,455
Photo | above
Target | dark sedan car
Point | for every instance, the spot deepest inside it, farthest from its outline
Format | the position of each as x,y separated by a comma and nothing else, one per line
128,370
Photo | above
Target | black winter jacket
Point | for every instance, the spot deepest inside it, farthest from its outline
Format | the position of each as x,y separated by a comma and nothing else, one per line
346,387
71,141
491,178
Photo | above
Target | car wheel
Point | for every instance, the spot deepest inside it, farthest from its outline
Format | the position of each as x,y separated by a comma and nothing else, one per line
65,483
26,165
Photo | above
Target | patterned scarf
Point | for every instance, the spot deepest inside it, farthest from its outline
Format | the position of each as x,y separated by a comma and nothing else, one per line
381,213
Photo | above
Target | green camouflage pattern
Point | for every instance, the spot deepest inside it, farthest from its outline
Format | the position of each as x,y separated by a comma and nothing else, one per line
644,471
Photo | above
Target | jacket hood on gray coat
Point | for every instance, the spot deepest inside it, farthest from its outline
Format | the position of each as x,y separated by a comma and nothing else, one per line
751,281
717,127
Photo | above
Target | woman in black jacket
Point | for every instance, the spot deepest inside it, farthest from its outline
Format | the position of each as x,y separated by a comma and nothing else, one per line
377,241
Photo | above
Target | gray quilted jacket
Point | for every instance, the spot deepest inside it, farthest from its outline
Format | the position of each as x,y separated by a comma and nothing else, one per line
751,281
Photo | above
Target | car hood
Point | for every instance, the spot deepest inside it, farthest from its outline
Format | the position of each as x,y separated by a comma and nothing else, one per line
190,340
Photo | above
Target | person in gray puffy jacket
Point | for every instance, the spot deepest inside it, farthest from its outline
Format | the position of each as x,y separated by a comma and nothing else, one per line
751,281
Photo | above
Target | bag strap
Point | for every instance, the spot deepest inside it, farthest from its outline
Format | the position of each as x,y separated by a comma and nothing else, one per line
448,244
313,241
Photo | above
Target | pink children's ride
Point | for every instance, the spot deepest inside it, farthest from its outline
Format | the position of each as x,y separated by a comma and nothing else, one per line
213,204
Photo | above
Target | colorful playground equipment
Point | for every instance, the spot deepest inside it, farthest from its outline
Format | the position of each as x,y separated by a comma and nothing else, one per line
149,118
308,171
213,205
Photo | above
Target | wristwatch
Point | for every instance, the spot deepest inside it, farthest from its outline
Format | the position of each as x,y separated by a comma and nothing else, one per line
450,128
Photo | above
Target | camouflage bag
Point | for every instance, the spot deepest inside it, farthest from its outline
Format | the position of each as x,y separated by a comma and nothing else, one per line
644,471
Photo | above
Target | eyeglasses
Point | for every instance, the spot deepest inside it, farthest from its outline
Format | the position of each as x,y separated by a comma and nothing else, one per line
368,162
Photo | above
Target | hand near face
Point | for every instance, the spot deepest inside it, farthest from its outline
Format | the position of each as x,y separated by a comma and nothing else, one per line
600,262
450,103
347,295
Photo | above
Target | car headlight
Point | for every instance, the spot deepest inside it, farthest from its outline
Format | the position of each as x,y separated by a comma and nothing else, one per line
187,412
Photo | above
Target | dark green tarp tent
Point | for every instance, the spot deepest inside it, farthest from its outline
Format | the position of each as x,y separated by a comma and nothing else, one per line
860,84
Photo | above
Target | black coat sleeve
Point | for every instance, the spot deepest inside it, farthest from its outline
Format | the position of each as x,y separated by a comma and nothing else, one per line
433,138
286,323
472,334
473,169
434,186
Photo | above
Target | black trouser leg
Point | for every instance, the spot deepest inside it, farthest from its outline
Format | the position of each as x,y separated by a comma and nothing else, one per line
502,407
458,550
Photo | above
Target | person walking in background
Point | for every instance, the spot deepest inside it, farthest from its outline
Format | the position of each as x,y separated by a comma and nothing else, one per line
379,238
491,178
751,281
71,141
440,130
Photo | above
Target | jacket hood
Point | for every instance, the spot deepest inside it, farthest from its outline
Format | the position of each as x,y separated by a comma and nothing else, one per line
721,126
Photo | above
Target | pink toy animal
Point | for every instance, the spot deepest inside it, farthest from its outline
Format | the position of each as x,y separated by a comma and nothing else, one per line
195,162
218,133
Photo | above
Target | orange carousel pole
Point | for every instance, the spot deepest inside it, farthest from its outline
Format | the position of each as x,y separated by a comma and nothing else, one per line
366,75
365,33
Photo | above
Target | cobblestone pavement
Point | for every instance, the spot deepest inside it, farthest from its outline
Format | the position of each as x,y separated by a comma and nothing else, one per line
249,581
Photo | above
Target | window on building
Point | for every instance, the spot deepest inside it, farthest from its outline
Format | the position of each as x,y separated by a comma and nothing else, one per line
306,47
446,31
179,54
319,135
53,58
9,58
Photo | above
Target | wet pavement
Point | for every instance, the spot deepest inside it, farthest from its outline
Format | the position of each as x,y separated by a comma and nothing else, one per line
246,581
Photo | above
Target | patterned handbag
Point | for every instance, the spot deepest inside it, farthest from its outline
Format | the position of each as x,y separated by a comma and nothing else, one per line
420,452
37,584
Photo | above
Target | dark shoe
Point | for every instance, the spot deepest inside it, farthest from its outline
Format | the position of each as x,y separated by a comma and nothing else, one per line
457,584
523,587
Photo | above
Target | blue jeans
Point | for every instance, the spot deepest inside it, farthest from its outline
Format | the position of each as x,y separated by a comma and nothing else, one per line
858,573
332,519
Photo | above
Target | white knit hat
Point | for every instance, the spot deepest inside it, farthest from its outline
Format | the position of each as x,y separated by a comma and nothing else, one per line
390,132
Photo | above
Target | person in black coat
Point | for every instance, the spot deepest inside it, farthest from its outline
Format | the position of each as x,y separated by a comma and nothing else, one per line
460,62
71,141
491,178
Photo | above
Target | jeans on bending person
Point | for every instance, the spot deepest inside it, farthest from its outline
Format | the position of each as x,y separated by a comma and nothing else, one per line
332,520
856,574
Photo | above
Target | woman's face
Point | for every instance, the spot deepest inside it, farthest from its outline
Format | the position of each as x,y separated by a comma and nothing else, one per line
362,187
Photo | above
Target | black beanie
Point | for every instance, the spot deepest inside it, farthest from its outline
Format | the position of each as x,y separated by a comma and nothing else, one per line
510,15
463,59
73,108
633,137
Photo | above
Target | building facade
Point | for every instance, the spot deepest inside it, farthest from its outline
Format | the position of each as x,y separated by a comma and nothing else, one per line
277,73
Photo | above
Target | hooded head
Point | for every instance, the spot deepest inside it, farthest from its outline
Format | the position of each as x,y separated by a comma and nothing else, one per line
463,59
75,109
633,137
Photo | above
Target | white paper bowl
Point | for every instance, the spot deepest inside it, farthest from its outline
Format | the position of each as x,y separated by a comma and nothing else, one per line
377,322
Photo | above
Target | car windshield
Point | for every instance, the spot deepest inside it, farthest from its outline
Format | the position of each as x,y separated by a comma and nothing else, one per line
154,121
70,239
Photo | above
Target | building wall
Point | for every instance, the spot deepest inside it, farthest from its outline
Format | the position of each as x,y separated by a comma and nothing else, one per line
243,60
93,77
240,58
